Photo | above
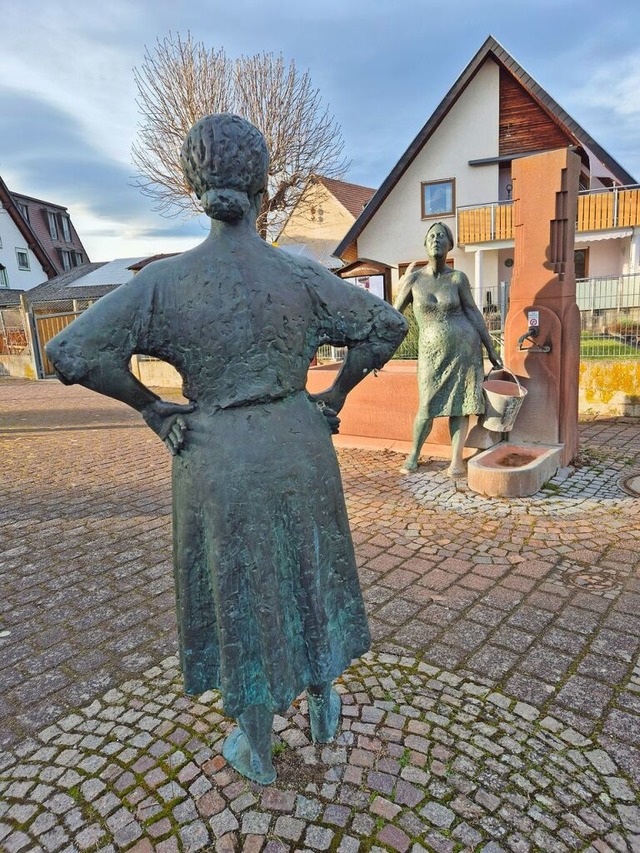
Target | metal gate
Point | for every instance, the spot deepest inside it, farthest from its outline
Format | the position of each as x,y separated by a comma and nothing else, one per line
46,327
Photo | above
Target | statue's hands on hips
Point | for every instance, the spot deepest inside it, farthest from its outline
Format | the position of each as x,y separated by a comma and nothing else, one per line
329,404
168,422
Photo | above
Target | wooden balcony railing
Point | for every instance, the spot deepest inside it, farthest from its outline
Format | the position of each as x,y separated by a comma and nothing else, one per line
484,224
598,210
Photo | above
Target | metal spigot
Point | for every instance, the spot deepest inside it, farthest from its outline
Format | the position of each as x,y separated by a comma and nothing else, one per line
531,333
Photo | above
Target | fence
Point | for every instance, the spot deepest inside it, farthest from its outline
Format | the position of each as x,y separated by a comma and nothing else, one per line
13,334
609,313
609,316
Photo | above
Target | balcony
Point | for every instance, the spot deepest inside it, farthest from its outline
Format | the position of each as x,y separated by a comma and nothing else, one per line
598,210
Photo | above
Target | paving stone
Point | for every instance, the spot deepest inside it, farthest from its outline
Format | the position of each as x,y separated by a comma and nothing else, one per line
394,838
318,838
289,828
384,808
194,836
224,822
438,815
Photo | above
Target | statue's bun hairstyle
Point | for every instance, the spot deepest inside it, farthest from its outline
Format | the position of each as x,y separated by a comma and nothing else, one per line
225,161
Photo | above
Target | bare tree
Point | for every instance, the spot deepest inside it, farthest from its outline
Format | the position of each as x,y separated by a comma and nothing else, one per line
181,81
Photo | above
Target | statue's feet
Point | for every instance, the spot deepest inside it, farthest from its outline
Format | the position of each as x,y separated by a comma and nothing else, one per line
410,465
456,471
237,751
324,715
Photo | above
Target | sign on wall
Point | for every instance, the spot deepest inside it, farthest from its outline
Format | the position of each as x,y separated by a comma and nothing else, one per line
373,283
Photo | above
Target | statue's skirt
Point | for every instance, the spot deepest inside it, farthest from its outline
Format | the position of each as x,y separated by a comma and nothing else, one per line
268,598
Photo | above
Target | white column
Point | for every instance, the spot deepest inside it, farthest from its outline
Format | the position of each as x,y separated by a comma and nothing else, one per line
478,284
634,251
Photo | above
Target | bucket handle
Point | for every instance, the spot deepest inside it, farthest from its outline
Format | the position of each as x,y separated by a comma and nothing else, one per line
506,370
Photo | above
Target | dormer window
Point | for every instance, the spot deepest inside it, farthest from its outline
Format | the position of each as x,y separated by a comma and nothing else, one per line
66,230
53,225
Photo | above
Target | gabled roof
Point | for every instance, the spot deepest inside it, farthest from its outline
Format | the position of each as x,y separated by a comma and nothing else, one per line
352,196
10,297
87,281
65,287
38,210
491,49
31,239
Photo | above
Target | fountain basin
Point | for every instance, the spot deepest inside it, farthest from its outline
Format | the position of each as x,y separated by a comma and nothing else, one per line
513,470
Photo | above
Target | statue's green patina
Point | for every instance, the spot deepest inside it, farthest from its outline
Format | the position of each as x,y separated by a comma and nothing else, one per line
451,332
268,598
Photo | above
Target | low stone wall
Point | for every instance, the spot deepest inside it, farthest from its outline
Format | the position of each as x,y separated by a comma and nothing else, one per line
610,388
384,406
155,374
20,366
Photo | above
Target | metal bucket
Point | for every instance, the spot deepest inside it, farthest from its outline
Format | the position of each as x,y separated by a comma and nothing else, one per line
502,401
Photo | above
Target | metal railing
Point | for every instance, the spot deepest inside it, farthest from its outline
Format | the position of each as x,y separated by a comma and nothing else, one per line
617,207
598,210
485,223
329,353
609,316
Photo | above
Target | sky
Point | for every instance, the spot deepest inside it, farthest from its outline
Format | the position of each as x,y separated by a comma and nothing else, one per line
68,113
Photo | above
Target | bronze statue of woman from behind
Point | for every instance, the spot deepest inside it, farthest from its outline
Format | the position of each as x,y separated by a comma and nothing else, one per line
451,332
268,599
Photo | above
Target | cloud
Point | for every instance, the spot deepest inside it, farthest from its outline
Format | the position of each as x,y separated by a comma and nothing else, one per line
48,153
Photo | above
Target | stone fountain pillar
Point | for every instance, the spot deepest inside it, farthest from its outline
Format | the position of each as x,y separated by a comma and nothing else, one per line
543,298
542,330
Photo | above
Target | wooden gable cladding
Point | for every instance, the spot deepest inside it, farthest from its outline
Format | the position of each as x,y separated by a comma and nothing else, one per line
524,125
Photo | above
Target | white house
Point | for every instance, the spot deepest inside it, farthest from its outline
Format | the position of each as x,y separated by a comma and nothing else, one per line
458,170
37,241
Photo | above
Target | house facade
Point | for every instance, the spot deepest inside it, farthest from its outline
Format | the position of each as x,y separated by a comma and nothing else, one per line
326,210
458,170
37,241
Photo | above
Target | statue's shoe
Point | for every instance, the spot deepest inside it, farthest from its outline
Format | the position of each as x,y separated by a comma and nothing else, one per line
324,716
237,751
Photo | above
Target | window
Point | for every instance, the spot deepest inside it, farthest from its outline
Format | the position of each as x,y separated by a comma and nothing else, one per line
4,279
438,198
78,258
22,257
65,257
581,261
24,210
66,231
53,225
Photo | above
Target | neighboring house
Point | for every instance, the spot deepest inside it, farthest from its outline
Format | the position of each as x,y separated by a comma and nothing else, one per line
325,211
83,285
458,170
54,229
37,241
55,303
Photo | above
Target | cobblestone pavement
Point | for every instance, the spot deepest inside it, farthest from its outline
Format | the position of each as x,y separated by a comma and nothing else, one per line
498,711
